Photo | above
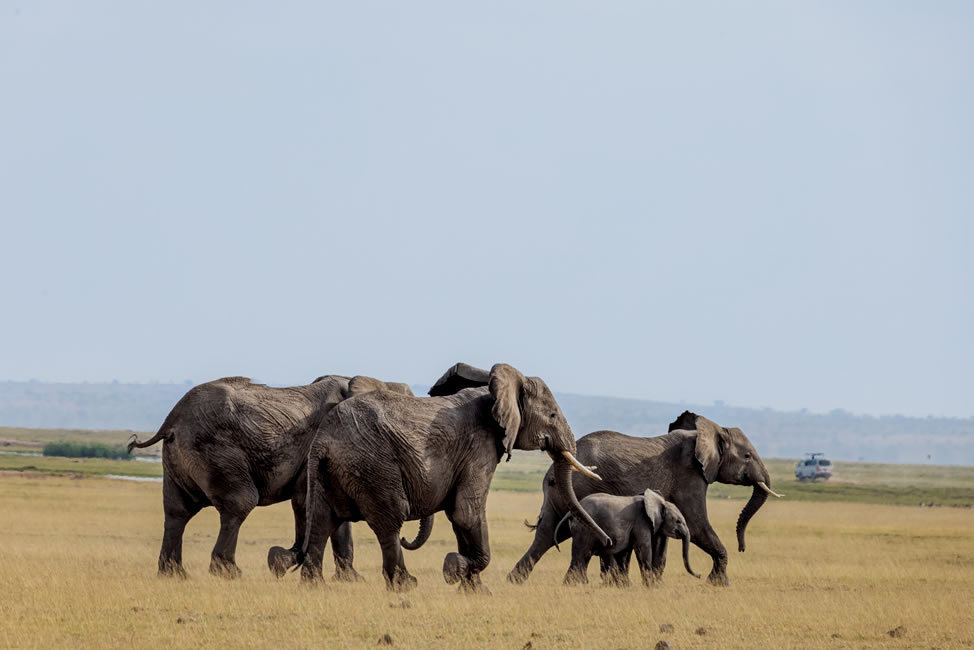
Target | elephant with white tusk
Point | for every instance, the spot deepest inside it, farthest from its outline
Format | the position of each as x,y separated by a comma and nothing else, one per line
387,458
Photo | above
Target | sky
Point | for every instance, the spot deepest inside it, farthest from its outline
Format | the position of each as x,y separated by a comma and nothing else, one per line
768,204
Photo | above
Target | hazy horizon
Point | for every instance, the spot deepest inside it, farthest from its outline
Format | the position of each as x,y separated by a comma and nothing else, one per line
767,205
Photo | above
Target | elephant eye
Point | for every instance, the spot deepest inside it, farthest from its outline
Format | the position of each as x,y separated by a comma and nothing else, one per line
747,456
552,416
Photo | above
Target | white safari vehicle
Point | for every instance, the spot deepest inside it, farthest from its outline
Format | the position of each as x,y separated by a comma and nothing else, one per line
813,468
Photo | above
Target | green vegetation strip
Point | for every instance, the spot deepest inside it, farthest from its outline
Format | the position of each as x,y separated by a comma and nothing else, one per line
83,466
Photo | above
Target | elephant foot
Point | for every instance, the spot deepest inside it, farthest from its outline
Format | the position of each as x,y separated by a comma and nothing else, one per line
225,569
172,570
518,575
615,580
573,578
473,586
311,574
279,560
401,581
347,574
718,579
454,568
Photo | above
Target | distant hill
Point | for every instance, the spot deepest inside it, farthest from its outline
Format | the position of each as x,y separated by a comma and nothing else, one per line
840,434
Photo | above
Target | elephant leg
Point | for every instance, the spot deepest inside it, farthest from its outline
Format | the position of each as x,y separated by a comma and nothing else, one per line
644,543
280,559
323,524
232,514
614,575
704,537
393,566
179,508
543,540
659,545
344,551
473,556
577,573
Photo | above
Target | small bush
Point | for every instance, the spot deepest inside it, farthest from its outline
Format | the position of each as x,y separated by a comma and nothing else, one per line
86,450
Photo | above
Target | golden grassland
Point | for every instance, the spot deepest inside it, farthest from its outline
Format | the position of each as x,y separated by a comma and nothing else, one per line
79,556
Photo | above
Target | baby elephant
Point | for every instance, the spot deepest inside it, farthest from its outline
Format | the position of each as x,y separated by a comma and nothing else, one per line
631,522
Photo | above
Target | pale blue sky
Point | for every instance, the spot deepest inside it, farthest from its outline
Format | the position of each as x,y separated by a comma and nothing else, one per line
769,204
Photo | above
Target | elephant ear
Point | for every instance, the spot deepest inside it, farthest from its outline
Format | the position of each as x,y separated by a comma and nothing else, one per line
653,504
458,377
361,384
686,422
709,447
506,384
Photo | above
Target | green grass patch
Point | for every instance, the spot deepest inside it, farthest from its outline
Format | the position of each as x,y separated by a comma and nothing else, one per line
84,466
71,449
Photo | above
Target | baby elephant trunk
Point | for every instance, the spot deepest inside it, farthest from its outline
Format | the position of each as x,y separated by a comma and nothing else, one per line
686,554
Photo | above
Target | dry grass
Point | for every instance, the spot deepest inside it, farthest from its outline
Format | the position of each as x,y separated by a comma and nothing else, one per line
78,570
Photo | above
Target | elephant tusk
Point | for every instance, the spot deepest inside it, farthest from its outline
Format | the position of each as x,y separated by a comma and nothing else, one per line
590,468
769,490
578,467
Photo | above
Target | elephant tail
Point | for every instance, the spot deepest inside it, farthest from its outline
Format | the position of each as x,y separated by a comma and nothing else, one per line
531,526
309,503
563,520
134,441
425,528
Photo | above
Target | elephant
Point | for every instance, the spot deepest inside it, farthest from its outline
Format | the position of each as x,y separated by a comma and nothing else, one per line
236,445
633,523
387,458
680,465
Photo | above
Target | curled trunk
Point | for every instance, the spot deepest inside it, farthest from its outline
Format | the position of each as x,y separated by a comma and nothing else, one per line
425,528
686,556
563,483
758,497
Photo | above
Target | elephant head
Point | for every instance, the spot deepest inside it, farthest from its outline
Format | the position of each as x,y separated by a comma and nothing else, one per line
666,519
727,456
531,419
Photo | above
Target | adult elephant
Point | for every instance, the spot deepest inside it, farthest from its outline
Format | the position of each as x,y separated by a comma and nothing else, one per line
387,458
679,465
237,445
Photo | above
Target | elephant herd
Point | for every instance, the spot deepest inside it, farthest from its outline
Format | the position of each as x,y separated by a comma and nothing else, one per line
345,449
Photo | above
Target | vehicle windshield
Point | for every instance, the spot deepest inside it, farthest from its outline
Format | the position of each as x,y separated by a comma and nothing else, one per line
824,462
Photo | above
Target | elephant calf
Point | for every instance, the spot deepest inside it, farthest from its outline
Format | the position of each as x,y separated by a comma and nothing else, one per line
632,522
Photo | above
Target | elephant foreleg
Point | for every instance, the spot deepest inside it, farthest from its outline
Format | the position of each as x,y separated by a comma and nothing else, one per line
473,548
659,545
705,538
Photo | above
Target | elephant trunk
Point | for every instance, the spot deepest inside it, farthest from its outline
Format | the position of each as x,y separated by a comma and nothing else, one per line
686,554
758,497
425,528
563,483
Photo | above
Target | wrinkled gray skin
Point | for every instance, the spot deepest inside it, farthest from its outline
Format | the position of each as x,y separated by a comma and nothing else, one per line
680,465
387,458
633,523
236,445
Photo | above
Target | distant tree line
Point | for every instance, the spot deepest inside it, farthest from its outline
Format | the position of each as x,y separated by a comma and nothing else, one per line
86,450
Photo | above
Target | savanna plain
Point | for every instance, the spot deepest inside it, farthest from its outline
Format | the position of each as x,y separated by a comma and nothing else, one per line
79,553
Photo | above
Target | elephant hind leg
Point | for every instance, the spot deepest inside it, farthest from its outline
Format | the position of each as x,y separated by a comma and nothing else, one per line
343,549
233,511
394,570
179,508
543,540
